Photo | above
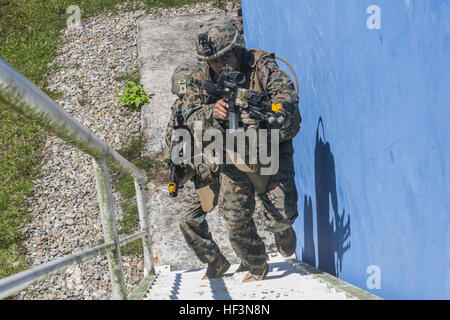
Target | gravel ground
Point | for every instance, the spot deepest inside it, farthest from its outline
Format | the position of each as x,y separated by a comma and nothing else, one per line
64,210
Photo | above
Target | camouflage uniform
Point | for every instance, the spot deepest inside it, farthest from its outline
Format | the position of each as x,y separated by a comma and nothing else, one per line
194,226
237,192
193,223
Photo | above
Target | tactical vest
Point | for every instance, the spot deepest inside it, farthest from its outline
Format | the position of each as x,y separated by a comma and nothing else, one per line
292,126
287,132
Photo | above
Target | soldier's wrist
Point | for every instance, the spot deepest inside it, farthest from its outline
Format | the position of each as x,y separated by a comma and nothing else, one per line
209,111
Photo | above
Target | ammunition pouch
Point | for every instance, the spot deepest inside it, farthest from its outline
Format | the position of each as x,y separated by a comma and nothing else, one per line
205,174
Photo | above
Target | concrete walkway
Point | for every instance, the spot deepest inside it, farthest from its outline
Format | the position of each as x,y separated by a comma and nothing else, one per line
163,43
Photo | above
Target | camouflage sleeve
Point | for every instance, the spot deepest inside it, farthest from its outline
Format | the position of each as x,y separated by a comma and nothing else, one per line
278,85
195,110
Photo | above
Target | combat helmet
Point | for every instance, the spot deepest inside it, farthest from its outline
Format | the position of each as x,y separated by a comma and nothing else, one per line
181,76
216,38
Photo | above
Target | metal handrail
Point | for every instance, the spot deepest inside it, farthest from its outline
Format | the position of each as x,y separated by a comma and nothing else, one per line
25,97
24,279
21,95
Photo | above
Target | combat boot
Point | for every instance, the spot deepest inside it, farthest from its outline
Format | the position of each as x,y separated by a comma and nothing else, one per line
242,267
256,274
217,268
286,242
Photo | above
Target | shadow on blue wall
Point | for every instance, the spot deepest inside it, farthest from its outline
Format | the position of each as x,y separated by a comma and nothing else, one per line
333,237
309,249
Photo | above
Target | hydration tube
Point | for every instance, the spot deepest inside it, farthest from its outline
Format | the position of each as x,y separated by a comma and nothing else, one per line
292,70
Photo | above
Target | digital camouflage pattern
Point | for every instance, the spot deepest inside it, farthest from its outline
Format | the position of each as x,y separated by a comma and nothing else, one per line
193,223
181,75
262,74
237,193
194,227
237,203
222,36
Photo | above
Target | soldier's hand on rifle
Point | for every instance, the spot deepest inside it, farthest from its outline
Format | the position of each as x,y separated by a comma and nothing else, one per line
221,110
245,118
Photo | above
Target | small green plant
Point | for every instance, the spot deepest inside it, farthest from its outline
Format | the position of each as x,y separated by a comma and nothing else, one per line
133,96
31,50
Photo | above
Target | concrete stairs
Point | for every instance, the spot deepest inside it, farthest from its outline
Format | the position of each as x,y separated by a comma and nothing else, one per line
287,279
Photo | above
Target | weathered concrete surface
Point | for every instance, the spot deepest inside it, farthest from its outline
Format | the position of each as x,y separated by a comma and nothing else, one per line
163,43
287,279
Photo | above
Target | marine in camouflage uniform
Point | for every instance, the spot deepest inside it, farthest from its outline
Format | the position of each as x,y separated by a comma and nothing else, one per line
205,179
237,193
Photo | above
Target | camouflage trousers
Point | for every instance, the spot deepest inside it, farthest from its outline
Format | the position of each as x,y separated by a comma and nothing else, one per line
194,227
237,204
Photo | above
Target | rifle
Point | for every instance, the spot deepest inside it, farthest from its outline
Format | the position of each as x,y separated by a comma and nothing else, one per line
229,87
176,170
226,87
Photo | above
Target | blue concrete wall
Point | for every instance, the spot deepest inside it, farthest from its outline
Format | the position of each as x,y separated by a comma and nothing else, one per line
373,156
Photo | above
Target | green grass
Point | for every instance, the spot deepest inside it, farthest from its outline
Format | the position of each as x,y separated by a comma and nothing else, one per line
129,75
29,34
20,147
129,223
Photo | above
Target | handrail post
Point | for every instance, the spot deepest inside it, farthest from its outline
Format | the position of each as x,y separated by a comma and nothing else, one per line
141,199
20,94
108,217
